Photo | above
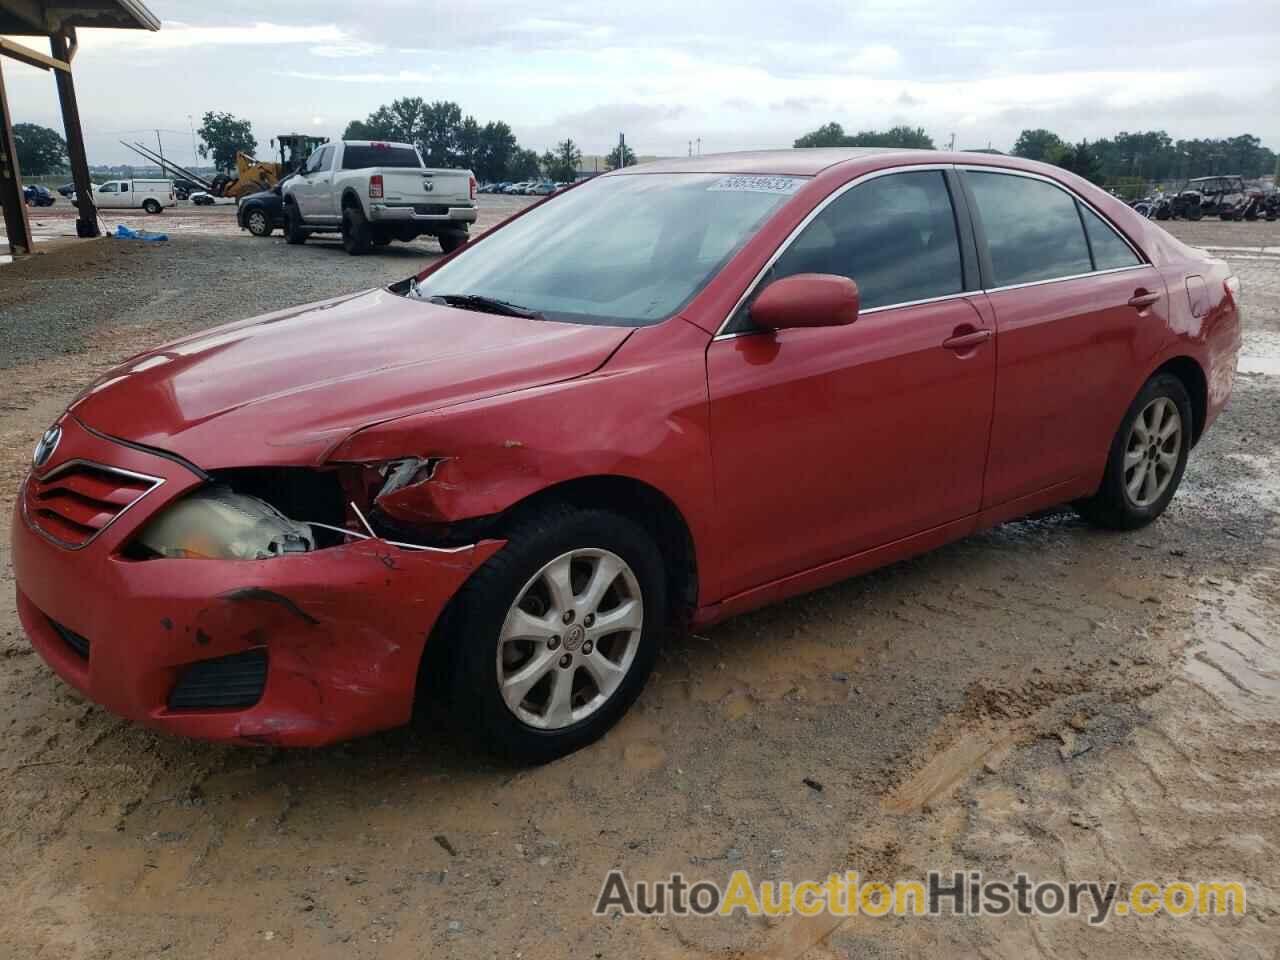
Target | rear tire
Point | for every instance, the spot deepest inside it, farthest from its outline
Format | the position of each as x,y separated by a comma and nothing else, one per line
558,708
356,233
293,232
453,240
1147,458
151,206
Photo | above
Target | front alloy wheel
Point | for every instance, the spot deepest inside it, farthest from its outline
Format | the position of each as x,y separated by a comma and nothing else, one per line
570,638
550,642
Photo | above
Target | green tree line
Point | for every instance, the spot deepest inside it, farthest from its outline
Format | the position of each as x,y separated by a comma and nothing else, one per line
1146,155
446,138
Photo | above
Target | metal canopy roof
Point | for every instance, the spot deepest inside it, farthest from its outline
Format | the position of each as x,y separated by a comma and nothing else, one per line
41,18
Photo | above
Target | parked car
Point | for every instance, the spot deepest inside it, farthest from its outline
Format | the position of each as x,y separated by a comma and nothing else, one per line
35,195
67,189
202,198
501,480
544,189
182,188
373,193
261,213
150,195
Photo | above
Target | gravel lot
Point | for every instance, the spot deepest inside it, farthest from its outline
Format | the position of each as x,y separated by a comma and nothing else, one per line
1043,698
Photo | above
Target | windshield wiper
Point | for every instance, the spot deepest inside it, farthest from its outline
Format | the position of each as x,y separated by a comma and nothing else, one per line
475,301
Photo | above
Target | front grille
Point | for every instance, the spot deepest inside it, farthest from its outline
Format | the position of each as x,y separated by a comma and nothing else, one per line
234,681
75,502
79,644
431,209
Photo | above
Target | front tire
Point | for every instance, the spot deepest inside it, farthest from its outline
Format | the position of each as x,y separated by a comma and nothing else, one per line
258,223
1147,458
293,232
554,637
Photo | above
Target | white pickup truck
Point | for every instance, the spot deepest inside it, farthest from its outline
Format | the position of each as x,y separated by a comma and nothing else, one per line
374,192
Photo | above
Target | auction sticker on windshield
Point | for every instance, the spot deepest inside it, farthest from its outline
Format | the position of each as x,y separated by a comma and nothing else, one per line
743,184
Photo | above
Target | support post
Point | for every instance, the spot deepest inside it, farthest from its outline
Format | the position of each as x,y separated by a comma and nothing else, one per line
87,219
16,225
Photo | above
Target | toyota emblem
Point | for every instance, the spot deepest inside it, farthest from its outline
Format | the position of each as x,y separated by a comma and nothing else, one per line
48,443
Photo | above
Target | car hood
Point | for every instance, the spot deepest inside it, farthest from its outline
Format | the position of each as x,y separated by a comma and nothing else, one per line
286,387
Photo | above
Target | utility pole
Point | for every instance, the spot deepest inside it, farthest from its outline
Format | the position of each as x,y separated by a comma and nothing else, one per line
691,148
699,141
195,158
952,145
622,149
161,151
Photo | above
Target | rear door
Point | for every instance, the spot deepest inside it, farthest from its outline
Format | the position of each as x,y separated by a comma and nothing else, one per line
1077,311
829,441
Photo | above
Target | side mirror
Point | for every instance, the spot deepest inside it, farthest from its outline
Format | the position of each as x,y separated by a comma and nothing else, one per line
807,300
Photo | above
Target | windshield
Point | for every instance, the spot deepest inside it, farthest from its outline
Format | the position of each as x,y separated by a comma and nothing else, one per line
622,250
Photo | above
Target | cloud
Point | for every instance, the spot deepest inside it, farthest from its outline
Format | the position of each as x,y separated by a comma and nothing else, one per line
176,35
400,77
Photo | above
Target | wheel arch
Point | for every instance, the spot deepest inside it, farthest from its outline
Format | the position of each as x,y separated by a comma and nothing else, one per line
638,501
1193,378
351,199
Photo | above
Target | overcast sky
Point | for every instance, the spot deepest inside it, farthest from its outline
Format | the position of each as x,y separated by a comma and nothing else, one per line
737,73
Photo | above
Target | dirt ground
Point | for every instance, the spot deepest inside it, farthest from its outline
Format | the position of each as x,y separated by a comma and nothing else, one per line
1043,698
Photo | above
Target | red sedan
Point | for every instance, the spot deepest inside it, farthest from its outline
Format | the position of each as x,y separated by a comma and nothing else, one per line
666,396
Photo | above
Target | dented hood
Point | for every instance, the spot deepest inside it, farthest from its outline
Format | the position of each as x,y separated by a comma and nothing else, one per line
285,387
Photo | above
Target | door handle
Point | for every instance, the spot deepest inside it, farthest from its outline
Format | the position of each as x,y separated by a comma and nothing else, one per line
966,341
1143,298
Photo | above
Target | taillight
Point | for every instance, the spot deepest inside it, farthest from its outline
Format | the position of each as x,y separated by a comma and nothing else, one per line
473,186
375,186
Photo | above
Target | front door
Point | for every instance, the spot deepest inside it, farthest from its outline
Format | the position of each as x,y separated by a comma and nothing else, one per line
830,441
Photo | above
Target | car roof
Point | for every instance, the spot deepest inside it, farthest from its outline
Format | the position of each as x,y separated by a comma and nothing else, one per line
802,162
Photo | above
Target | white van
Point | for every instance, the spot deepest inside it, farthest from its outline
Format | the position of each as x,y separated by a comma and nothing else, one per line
151,195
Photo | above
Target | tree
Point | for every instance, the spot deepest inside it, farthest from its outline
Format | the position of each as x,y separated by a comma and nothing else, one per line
523,165
620,156
497,148
1082,161
401,121
565,160
1039,144
833,135
827,135
222,136
40,149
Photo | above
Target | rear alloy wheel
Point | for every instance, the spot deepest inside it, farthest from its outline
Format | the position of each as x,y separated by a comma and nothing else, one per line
1147,458
554,637
151,206
356,234
258,224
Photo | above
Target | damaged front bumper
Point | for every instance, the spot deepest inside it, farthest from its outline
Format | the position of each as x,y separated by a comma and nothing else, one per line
311,648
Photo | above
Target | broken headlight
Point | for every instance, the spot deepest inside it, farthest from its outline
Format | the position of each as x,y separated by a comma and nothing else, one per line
216,523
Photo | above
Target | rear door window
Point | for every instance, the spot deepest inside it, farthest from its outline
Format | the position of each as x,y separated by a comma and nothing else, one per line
1032,228
894,235
1110,252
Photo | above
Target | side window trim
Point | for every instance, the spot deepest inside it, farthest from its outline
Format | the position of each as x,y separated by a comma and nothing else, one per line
971,282
984,251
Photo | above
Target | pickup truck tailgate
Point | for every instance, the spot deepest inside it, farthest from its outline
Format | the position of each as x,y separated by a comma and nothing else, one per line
426,186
